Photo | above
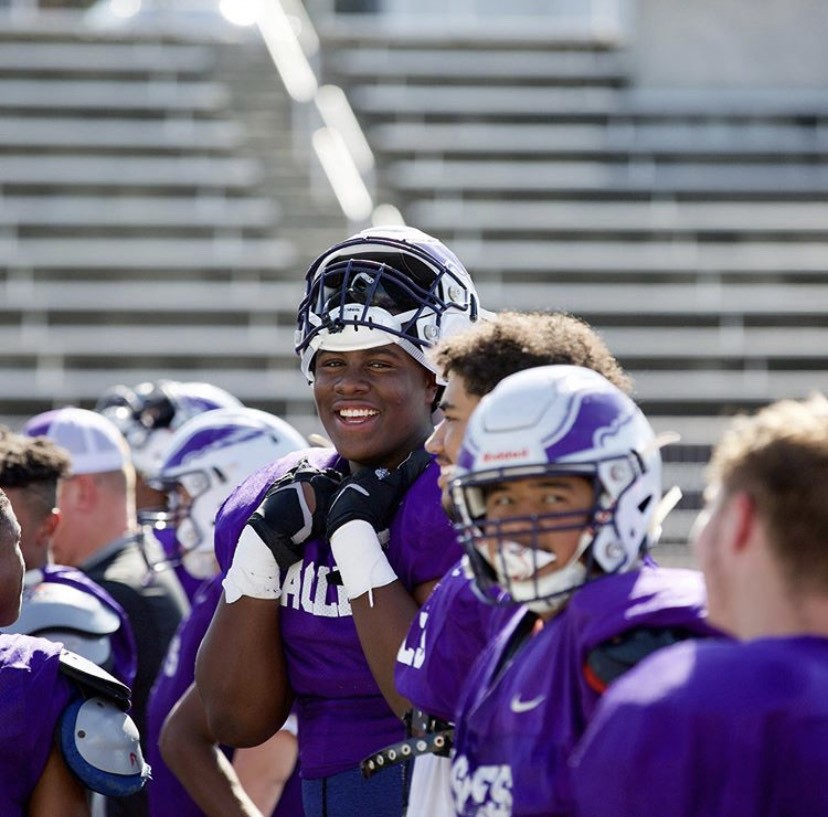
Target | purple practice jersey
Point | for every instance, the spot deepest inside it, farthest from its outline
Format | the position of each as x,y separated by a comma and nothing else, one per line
124,659
448,635
529,699
166,795
712,729
341,713
33,695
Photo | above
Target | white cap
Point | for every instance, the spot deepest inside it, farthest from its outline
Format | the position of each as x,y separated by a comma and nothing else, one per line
93,441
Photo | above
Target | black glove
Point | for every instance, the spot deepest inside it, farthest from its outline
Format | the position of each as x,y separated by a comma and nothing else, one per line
373,494
284,522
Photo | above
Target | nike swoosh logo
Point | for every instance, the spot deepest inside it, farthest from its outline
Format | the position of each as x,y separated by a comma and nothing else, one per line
517,706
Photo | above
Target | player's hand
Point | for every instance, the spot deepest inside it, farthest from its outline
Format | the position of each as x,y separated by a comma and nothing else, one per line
294,510
372,495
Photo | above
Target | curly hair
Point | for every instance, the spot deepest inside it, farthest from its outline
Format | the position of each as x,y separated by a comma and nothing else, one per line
489,351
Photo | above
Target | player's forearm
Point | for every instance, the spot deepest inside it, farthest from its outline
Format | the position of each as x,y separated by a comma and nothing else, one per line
382,624
188,749
264,770
241,673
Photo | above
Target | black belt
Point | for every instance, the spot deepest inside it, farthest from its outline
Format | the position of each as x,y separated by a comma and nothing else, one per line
432,736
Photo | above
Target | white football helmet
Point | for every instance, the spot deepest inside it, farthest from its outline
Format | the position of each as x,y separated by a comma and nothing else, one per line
384,285
562,420
207,458
148,414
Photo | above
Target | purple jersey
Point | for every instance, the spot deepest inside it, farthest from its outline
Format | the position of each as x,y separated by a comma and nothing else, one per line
528,699
166,794
33,695
123,661
448,635
341,713
712,728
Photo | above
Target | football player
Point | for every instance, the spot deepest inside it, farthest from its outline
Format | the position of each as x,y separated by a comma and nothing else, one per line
556,489
59,603
64,729
338,547
148,415
726,727
453,626
206,459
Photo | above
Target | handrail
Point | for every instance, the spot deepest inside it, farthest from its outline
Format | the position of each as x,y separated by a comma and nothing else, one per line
340,143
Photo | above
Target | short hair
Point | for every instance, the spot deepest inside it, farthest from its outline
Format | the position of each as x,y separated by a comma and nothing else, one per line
489,351
34,463
779,456
8,521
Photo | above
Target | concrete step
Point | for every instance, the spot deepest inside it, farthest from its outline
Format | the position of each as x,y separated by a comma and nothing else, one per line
634,178
635,220
75,57
464,65
468,139
161,256
23,172
124,134
218,213
160,97
694,260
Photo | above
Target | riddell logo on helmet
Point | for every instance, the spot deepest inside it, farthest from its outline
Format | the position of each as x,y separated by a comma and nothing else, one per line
505,456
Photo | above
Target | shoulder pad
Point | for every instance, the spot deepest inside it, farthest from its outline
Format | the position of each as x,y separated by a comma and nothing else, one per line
64,613
51,605
93,680
612,658
100,744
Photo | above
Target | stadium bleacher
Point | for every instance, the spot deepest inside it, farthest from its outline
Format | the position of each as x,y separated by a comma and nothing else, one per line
685,224
157,212
156,216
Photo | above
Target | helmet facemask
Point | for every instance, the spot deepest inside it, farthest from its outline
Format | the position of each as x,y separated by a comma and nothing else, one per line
384,287
192,498
507,553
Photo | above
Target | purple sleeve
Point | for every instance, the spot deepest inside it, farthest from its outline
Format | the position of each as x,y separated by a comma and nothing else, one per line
445,639
166,794
33,695
714,728
423,545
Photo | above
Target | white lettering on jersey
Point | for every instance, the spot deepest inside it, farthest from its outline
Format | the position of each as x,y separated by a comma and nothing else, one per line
308,587
411,657
488,790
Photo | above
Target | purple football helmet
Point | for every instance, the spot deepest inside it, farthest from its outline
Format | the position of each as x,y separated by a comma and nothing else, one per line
149,413
563,421
384,285
206,459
